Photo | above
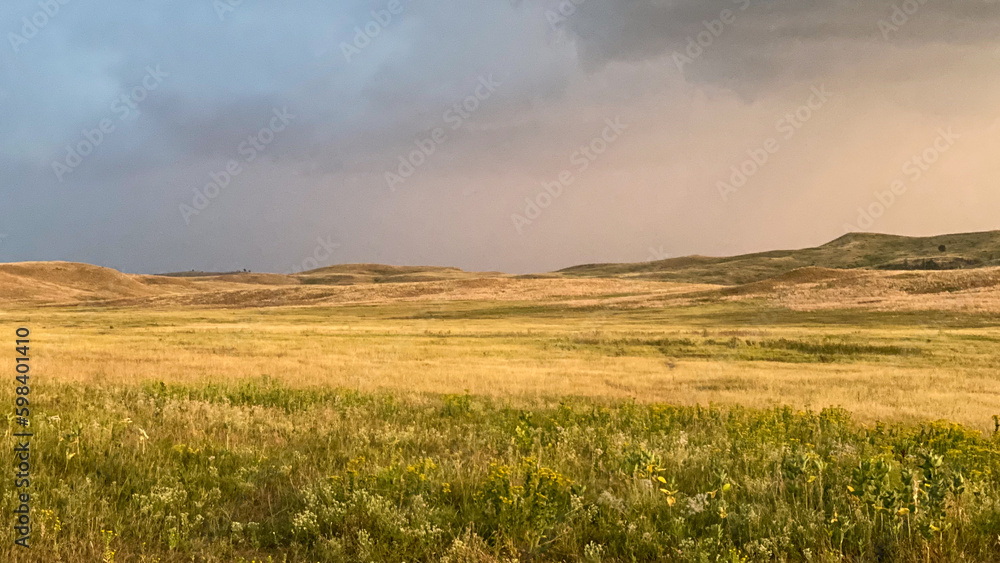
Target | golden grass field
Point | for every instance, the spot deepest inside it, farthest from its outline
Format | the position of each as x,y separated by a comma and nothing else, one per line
543,337
369,413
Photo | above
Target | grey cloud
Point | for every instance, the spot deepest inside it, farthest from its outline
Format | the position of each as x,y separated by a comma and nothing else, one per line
771,39
324,175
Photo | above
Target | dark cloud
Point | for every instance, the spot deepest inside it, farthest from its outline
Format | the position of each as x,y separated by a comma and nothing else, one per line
324,175
770,40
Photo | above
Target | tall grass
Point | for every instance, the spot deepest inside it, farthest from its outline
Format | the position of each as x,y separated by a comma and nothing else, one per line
254,470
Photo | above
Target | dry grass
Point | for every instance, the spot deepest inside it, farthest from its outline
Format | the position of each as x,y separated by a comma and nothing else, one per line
817,289
154,418
804,289
531,350
67,284
530,338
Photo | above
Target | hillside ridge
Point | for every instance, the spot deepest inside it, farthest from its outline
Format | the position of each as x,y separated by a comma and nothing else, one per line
844,265
873,251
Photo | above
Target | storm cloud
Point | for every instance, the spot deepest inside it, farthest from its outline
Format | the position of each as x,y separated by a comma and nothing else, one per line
475,134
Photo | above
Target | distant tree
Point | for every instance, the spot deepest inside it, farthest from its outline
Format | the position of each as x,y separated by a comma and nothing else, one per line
942,248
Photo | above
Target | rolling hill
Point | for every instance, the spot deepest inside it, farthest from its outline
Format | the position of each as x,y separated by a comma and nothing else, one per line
856,270
851,251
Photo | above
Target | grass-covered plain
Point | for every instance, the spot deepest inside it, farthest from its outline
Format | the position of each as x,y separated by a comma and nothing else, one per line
478,431
898,366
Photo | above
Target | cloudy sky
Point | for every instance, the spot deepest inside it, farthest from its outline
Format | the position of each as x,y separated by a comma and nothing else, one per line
514,135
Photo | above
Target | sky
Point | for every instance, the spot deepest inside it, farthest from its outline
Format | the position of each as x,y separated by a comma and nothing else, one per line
490,135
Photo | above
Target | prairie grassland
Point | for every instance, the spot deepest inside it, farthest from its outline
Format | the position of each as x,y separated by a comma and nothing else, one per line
904,366
510,431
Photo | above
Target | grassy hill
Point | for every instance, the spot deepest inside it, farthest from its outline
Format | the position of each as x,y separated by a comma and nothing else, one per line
851,251
875,266
350,274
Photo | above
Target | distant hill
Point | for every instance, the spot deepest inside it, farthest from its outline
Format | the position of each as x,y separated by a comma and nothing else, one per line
350,274
851,251
67,281
197,274
71,283
66,284
860,269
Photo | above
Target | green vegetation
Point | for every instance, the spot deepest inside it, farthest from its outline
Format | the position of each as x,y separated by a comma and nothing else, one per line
851,251
349,274
250,470
479,429
735,348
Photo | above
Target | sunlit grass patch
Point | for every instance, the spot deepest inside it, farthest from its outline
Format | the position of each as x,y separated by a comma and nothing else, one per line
254,469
